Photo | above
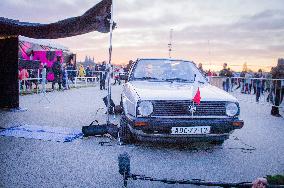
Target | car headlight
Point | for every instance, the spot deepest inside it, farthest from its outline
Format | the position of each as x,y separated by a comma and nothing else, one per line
232,109
145,108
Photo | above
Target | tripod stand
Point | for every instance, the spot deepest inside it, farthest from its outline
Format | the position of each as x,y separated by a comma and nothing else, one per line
43,82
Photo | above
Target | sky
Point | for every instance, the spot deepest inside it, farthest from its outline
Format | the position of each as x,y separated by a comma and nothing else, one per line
210,32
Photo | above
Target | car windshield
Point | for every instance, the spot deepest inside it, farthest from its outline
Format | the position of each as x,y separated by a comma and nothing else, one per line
167,70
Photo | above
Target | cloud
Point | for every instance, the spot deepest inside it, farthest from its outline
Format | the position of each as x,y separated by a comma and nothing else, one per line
260,29
266,20
238,30
43,11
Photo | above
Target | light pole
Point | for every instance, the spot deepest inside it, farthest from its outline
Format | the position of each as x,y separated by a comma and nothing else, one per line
170,43
109,65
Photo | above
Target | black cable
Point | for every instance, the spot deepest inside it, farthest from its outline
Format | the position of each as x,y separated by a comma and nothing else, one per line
243,149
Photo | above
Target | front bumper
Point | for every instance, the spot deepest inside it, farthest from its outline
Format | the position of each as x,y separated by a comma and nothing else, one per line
159,129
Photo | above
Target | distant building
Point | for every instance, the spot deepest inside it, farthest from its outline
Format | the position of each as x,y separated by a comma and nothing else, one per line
88,62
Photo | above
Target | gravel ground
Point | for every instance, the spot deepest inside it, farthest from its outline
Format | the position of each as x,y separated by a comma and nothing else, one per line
85,163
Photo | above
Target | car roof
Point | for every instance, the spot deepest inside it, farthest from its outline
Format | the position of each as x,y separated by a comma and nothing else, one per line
168,59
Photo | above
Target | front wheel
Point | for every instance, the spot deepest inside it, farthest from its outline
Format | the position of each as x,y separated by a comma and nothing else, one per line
124,132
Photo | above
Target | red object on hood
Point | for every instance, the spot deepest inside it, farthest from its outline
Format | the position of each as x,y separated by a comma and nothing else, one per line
197,97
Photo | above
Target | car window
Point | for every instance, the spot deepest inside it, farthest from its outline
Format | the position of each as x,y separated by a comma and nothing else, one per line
173,70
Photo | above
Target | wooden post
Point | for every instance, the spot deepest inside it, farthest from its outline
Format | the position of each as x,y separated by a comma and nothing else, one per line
9,88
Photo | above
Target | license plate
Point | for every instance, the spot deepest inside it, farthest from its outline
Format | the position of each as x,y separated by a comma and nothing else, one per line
191,130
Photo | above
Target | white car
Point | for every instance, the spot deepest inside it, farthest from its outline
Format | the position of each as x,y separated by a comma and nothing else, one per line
158,105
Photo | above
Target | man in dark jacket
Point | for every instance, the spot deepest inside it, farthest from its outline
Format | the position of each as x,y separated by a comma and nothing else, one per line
225,72
89,73
278,73
56,68
103,76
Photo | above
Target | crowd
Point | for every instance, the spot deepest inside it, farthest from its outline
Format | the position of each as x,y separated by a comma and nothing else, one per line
30,74
248,82
61,74
100,72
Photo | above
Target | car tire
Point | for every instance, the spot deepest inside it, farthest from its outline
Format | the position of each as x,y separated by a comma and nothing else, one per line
125,134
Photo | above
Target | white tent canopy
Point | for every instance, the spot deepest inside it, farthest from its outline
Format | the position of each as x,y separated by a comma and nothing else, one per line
44,42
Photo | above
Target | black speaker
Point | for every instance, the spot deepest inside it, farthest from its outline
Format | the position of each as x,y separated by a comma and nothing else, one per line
124,164
94,130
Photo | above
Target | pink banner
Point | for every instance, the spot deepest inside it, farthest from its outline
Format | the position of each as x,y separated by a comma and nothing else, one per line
47,57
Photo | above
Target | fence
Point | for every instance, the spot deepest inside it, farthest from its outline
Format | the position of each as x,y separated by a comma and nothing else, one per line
71,77
261,90
72,81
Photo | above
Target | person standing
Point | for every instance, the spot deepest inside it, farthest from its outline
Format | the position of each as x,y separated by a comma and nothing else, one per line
56,68
227,74
269,87
278,73
116,77
258,84
103,76
248,83
43,78
231,80
64,77
23,76
200,67
82,71
209,73
71,72
32,55
88,73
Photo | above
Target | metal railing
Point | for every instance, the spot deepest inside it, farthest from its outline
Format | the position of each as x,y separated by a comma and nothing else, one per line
26,85
72,81
262,90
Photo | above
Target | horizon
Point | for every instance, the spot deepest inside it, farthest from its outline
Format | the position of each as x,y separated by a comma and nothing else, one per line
212,33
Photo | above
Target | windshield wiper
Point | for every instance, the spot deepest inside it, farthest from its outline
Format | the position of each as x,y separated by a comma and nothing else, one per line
147,78
178,80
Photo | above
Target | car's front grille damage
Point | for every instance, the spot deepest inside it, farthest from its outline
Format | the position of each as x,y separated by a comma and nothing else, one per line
184,108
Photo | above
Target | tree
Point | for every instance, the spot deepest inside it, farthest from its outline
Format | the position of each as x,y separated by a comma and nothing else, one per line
245,67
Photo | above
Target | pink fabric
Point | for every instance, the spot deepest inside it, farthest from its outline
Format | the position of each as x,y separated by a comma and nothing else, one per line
197,97
41,55
24,50
26,47
23,74
50,76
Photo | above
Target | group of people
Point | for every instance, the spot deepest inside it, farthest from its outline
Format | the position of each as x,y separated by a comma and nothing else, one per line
62,73
115,75
257,83
28,77
25,74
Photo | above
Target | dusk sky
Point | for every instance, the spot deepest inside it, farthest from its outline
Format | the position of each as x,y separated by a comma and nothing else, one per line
209,31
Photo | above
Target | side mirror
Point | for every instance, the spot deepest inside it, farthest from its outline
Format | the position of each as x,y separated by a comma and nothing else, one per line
207,79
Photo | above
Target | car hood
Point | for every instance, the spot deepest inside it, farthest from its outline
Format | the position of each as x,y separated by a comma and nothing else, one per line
147,90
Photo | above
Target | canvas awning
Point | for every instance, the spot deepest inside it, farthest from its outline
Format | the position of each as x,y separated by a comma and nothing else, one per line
95,19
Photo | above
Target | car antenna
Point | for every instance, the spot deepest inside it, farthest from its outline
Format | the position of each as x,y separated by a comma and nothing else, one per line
170,43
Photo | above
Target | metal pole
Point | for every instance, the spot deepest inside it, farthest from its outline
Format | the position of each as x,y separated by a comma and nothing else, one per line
37,81
109,64
170,43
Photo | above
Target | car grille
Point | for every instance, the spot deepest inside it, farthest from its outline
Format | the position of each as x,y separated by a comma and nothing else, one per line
181,108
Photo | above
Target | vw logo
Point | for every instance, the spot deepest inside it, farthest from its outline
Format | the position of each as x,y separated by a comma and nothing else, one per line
192,108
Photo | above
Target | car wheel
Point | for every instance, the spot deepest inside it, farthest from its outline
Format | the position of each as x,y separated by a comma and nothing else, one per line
125,134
